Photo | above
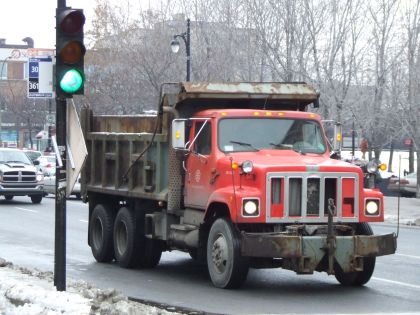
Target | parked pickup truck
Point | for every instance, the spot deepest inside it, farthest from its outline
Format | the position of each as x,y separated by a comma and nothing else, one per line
19,177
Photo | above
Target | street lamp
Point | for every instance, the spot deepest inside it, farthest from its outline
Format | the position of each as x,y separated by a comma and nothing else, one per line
175,46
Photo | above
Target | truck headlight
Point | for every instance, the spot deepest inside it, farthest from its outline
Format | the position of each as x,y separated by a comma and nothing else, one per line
372,207
247,166
372,167
250,207
39,177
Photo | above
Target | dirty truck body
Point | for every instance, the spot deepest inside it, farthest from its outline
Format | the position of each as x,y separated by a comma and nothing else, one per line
238,175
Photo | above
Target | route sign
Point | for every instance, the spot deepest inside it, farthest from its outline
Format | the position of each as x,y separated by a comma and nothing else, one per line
40,77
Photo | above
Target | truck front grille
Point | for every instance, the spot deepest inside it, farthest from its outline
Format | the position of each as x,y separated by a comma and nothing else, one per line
19,176
297,197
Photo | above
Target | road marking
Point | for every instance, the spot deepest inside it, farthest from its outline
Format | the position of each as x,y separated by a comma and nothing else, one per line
409,256
27,210
398,282
84,221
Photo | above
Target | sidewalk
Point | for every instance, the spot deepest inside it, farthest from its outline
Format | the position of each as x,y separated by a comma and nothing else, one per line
409,210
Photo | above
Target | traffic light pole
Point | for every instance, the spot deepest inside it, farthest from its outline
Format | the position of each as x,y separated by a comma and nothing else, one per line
60,199
60,190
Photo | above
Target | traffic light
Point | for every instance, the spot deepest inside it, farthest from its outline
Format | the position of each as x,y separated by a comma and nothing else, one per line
70,51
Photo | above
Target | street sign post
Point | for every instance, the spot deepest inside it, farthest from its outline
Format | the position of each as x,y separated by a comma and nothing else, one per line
40,84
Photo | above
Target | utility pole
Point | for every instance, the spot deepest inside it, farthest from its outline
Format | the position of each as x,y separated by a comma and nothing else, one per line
353,136
49,127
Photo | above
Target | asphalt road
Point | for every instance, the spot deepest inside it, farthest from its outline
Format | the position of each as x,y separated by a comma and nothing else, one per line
27,239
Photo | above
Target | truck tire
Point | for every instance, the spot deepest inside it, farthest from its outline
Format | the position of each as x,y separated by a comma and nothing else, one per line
36,199
124,238
101,233
151,254
132,248
358,278
227,268
8,197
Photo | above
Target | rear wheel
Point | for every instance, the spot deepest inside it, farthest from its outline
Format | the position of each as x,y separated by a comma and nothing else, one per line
101,233
36,199
8,197
358,278
227,268
132,248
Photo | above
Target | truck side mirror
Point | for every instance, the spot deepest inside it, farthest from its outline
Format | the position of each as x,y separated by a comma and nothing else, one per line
178,134
336,141
338,138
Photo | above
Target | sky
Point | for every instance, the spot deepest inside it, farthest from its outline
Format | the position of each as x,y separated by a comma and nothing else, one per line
36,19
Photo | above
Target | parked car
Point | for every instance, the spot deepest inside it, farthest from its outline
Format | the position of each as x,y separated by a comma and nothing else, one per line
32,154
406,185
49,185
19,176
46,164
411,185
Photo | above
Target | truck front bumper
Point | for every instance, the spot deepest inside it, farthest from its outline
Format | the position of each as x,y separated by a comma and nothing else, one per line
304,254
21,191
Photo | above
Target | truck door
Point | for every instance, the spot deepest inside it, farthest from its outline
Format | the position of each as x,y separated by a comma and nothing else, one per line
199,165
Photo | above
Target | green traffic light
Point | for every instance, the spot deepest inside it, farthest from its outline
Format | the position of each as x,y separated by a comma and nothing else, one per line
72,81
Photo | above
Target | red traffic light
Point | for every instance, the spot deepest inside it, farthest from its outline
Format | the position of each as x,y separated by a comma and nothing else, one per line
71,21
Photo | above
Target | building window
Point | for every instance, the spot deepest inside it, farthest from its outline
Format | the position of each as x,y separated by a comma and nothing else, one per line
3,70
16,70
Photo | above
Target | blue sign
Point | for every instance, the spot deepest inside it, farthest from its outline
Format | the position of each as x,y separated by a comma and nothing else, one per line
33,68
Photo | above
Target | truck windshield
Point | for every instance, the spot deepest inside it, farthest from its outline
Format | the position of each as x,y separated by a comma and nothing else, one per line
13,156
253,134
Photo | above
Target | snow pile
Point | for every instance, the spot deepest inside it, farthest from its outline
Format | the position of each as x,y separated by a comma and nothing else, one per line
30,292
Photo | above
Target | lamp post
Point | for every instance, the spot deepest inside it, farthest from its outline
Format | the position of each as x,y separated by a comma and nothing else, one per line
175,46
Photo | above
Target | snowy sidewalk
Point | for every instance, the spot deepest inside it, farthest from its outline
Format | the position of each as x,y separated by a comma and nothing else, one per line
31,292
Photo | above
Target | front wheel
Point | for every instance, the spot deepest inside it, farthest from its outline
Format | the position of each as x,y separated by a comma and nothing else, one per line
36,199
358,278
227,268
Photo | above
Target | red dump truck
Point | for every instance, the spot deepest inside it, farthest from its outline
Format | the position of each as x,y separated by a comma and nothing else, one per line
239,175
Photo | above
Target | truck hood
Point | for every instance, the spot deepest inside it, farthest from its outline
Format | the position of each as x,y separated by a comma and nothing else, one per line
15,166
287,160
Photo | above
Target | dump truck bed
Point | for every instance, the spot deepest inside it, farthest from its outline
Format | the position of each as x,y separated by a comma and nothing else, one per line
118,162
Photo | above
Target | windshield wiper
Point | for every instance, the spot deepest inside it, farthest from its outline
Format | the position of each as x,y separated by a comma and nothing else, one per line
281,146
244,144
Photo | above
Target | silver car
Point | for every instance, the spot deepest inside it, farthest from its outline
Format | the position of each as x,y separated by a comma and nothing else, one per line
18,176
49,185
411,183
46,164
